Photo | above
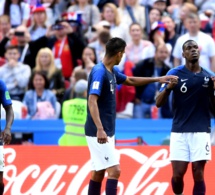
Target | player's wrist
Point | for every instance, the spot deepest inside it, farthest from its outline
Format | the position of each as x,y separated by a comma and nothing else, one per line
167,89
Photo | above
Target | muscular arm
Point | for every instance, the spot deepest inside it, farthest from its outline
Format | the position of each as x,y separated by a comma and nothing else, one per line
138,81
162,97
94,111
9,116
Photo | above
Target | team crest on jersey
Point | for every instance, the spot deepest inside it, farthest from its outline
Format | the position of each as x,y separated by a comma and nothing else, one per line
206,81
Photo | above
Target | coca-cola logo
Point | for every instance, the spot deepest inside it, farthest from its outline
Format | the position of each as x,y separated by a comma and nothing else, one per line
33,178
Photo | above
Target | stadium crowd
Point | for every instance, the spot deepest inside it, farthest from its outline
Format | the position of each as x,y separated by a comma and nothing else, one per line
47,46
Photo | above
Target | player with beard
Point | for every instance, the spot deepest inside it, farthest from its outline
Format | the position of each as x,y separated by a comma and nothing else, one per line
193,99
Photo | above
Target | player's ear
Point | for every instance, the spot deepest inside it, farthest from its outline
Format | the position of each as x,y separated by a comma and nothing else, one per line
183,55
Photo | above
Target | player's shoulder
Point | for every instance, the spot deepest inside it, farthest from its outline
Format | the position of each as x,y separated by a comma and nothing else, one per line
207,72
176,70
98,68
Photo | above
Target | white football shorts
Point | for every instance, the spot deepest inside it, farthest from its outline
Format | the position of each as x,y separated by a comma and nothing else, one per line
190,147
102,156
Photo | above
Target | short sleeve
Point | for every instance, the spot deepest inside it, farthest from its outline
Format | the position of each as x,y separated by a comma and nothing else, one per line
4,95
96,81
120,78
170,72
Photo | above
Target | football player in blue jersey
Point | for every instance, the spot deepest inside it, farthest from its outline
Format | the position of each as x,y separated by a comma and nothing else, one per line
101,114
5,135
192,101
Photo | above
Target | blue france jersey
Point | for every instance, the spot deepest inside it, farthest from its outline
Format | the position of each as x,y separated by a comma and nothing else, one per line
4,95
103,83
191,99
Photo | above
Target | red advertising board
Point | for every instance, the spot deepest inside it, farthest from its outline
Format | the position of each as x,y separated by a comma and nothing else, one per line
54,170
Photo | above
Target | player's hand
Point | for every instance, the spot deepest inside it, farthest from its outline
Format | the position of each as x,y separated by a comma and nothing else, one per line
166,79
172,83
101,136
213,79
6,136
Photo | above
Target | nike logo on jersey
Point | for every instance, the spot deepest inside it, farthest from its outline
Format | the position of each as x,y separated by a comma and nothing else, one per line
182,80
106,158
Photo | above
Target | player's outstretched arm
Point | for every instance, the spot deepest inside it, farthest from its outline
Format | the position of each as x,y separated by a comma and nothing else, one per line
163,95
138,81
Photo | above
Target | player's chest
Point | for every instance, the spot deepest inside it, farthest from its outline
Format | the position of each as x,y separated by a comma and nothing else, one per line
110,84
196,83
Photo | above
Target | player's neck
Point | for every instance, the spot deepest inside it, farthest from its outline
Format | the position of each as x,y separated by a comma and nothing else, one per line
193,34
109,63
193,67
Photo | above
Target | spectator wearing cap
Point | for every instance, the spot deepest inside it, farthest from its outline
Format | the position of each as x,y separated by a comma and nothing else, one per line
205,42
38,27
131,12
160,5
135,49
90,13
74,114
17,10
117,28
158,35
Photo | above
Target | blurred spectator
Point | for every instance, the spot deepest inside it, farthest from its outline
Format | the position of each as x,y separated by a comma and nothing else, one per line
90,13
174,8
205,42
158,35
117,28
18,11
77,75
20,37
15,74
99,45
45,63
184,12
74,113
4,26
40,101
151,67
135,49
160,5
38,27
154,16
131,12
172,38
66,45
88,60
53,11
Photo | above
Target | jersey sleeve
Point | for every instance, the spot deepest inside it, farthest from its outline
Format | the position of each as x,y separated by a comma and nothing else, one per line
4,95
96,81
170,72
120,78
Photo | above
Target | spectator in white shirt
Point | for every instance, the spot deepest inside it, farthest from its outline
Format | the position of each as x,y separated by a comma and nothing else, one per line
15,74
205,42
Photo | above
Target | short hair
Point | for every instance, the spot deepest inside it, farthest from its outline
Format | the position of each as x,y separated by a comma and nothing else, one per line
42,74
183,46
133,24
115,45
10,47
160,45
192,15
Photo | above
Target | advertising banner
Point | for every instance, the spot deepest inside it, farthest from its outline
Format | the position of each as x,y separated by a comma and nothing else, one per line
54,170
